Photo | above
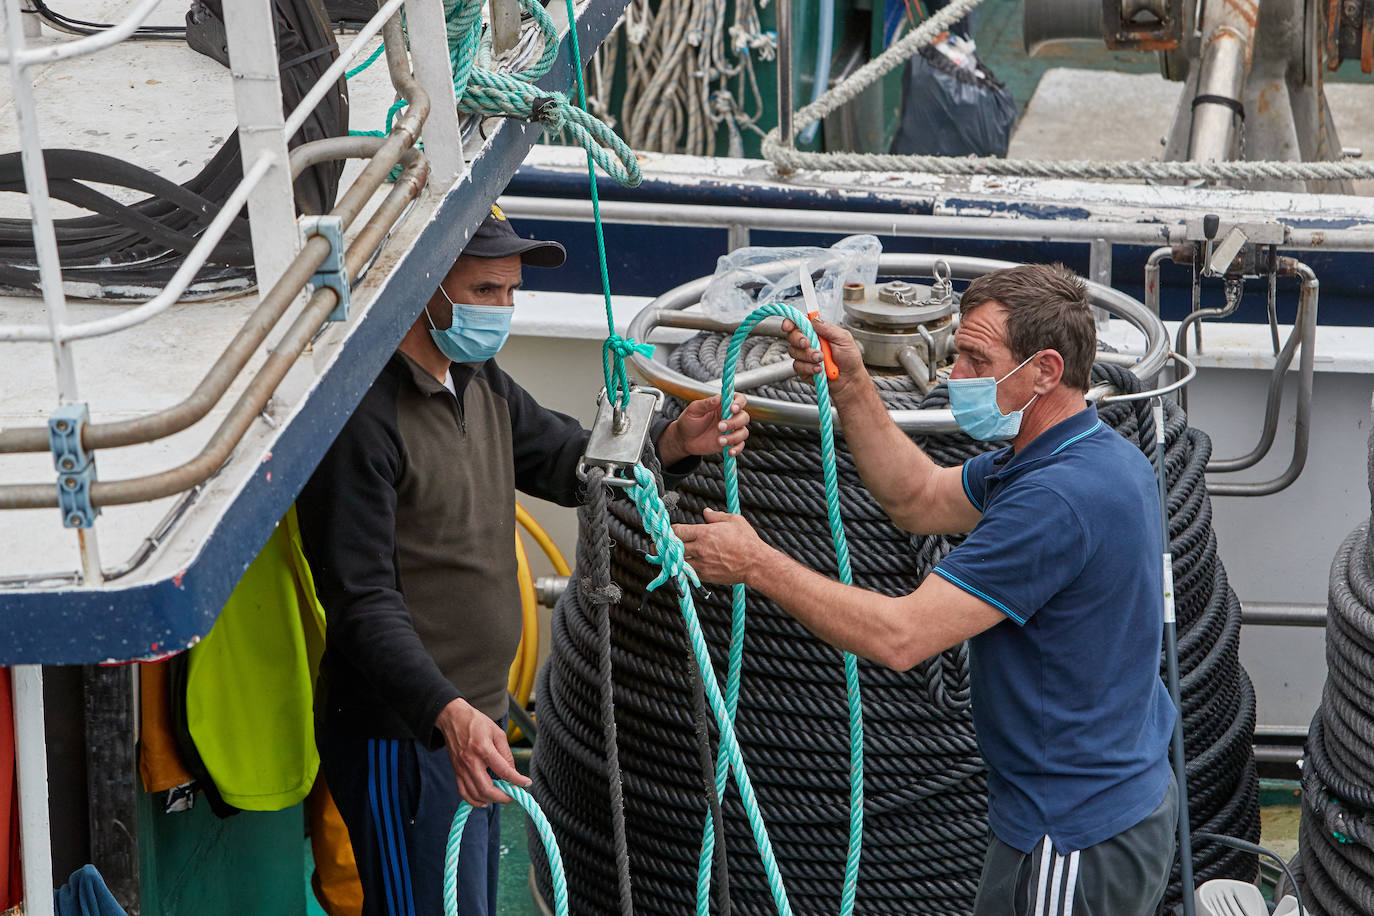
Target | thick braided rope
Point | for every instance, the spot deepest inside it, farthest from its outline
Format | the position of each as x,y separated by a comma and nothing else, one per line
490,94
599,592
792,159
541,824
672,565
737,598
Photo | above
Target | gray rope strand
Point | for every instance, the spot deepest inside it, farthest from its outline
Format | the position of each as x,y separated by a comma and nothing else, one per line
600,593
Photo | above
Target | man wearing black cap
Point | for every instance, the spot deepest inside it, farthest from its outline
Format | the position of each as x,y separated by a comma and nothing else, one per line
409,526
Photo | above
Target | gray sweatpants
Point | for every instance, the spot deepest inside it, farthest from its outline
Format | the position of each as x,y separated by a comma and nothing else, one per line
1123,876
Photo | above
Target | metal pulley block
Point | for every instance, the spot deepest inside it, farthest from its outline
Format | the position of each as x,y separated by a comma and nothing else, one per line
618,436
902,316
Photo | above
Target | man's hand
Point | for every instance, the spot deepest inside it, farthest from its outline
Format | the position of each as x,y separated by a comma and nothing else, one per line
476,744
725,550
807,361
699,430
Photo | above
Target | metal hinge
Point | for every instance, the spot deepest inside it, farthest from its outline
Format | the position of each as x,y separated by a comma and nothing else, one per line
618,436
331,274
75,466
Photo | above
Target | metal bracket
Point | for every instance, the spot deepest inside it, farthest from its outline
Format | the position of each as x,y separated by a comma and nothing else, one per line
331,274
75,466
618,436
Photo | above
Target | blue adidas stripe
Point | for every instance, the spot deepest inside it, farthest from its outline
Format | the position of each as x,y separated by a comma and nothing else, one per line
373,778
406,891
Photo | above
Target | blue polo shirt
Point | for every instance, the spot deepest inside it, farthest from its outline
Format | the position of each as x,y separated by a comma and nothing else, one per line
1071,715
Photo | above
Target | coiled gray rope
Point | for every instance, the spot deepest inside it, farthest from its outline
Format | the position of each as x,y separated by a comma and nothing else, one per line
926,792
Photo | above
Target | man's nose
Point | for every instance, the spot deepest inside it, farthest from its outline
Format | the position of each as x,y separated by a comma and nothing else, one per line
957,370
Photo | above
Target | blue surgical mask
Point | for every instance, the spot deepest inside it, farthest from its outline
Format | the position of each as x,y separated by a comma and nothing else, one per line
974,403
476,334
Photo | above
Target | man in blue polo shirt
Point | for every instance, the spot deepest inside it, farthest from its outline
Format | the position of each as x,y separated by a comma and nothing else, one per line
1057,587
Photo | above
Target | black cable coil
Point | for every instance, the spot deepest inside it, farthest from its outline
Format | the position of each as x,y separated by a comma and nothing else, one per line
1336,837
925,816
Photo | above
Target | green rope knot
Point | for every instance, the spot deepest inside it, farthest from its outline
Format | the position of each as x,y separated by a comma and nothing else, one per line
624,347
669,556
613,354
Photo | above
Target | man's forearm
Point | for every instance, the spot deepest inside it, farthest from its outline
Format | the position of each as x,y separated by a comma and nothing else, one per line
893,468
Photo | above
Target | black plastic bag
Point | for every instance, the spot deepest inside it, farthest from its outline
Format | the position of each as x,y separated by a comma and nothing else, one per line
948,110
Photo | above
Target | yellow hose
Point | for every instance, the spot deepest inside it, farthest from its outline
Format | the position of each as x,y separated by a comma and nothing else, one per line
521,677
541,536
525,667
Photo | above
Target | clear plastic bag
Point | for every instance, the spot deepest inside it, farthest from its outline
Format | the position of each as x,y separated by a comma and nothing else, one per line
747,278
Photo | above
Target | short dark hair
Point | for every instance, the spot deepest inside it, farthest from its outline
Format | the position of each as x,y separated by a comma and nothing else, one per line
1047,309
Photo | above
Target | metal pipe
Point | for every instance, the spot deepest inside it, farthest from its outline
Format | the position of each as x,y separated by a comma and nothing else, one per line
1176,746
1233,293
254,398
31,762
40,206
785,73
336,70
1226,53
1194,319
433,67
395,147
254,331
1302,423
331,148
779,371
916,368
105,38
171,293
841,222
905,265
1270,614
1152,277
1273,401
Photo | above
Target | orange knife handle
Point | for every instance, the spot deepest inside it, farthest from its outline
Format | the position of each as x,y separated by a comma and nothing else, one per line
832,371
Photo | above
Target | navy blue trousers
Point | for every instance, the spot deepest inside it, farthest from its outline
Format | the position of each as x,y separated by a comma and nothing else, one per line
398,799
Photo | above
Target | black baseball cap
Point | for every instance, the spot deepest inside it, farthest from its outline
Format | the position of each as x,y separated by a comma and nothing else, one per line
495,238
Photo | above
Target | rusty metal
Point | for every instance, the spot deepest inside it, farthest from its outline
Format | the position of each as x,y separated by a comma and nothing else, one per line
1142,25
1349,33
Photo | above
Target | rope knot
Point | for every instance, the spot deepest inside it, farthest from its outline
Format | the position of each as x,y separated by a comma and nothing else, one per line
627,346
668,555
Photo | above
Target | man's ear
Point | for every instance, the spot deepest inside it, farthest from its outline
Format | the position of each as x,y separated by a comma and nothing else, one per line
1051,366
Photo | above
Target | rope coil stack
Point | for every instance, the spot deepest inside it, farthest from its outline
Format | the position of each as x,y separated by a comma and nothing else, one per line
925,813
1336,836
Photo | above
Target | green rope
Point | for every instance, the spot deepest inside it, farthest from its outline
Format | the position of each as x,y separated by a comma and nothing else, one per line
668,556
541,824
617,348
372,59
736,656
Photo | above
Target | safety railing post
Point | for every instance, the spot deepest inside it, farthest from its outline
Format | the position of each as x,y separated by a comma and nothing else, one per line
31,760
251,35
429,52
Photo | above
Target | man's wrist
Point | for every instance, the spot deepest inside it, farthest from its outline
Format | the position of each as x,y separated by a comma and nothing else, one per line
671,448
761,569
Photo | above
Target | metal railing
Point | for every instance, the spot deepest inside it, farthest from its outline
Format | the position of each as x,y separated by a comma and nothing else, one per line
384,153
